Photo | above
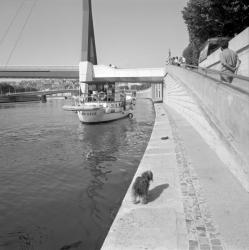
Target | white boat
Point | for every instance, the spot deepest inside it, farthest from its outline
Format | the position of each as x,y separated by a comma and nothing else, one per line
103,106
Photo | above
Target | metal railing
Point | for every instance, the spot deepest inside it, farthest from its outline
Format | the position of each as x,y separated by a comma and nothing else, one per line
217,72
239,82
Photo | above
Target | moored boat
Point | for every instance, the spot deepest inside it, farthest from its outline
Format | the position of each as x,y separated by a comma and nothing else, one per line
103,102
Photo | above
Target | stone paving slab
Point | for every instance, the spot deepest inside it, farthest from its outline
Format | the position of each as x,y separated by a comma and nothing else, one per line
133,231
220,198
159,224
202,229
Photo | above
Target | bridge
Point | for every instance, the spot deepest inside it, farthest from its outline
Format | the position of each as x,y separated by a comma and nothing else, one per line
198,150
100,73
43,92
39,72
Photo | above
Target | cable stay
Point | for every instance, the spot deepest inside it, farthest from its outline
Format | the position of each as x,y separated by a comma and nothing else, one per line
21,32
11,23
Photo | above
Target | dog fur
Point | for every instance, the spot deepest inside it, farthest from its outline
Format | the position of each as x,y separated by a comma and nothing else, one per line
141,186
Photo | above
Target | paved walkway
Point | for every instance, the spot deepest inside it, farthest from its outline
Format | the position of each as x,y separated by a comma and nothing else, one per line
191,201
223,202
159,224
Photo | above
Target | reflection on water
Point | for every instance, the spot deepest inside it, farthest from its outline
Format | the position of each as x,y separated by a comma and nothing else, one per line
7,105
62,182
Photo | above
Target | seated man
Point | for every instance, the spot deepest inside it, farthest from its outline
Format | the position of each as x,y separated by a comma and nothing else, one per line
229,62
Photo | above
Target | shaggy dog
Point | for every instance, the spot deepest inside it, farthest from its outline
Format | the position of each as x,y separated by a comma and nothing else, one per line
140,187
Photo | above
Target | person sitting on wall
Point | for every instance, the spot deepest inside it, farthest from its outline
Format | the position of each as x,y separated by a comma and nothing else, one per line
229,62
182,61
177,62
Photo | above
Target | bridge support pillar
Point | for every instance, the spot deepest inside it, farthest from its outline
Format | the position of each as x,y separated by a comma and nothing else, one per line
43,98
157,92
85,75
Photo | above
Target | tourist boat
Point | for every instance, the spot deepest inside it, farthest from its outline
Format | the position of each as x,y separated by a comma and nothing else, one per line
103,102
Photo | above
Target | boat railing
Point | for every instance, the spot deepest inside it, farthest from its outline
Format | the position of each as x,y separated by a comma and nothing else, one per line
101,97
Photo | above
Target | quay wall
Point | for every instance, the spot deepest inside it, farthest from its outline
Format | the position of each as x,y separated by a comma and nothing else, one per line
159,224
146,93
240,44
220,114
213,109
155,92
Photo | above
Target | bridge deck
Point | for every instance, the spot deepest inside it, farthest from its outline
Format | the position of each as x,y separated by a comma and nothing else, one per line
100,73
63,72
47,92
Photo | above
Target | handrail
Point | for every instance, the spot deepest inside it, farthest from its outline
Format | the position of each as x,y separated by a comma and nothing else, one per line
241,77
242,87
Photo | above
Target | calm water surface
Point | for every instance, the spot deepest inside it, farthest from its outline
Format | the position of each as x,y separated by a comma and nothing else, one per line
62,182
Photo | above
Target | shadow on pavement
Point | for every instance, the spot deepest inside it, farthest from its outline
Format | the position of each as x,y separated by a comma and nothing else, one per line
156,192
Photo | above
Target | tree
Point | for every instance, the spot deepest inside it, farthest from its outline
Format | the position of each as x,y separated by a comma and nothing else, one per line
211,18
188,54
6,88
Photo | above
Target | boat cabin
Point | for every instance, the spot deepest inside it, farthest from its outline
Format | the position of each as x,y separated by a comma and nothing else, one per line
101,102
103,92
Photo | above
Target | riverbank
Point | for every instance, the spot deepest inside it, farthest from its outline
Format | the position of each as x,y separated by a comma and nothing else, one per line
24,98
195,202
159,224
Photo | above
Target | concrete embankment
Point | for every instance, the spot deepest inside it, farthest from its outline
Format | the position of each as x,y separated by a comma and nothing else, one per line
195,203
215,204
211,119
213,108
159,224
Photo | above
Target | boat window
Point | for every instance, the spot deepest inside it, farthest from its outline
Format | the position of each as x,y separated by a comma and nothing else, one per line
101,91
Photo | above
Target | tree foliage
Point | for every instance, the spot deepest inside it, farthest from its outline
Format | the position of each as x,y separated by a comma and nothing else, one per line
35,85
9,88
212,18
188,54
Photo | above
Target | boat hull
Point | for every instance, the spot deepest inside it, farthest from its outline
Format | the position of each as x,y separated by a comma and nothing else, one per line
97,109
100,115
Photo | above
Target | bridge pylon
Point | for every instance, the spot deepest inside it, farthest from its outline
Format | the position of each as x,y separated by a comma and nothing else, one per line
88,49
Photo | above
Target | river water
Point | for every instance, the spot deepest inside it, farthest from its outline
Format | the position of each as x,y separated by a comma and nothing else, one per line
62,182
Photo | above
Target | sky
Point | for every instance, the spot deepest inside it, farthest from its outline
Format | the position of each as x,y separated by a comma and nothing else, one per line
128,33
